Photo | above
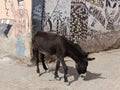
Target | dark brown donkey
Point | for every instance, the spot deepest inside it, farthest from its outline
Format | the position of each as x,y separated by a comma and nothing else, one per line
53,44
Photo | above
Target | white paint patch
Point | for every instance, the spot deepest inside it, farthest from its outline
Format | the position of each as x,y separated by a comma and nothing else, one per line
5,60
83,75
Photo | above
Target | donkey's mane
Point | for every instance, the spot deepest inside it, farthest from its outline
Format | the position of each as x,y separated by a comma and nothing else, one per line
74,49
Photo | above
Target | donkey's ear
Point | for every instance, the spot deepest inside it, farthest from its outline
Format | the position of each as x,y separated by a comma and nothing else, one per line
90,59
88,52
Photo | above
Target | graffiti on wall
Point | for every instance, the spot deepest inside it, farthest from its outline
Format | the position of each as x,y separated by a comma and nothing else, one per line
37,14
88,18
102,16
97,14
112,13
111,19
17,28
111,3
21,28
61,22
5,26
57,18
21,16
79,21
6,8
99,3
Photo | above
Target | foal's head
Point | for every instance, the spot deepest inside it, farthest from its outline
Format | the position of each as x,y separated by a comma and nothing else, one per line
81,65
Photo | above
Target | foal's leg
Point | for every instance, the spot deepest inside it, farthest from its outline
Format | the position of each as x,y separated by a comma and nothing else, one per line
65,70
33,55
56,70
37,61
43,61
33,58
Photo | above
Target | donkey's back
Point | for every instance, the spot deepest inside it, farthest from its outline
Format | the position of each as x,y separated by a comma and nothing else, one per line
53,44
48,43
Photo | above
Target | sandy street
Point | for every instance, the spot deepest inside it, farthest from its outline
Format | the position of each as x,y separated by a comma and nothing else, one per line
103,74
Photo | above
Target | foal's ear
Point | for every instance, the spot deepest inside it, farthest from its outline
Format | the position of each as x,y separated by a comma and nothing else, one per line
88,53
90,59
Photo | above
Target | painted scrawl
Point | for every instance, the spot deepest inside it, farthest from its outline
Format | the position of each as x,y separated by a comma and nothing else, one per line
96,13
21,28
99,3
57,16
97,20
102,22
107,16
6,8
86,18
5,23
37,14
112,13
5,26
79,21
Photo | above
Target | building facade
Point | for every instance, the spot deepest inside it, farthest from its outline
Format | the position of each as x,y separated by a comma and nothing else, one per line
94,24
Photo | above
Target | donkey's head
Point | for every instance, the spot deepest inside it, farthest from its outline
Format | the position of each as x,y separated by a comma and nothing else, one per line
81,65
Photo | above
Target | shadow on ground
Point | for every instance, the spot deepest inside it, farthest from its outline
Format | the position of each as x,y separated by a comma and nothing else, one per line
89,75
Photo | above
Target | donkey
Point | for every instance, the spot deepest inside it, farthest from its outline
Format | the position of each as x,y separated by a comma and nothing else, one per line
44,43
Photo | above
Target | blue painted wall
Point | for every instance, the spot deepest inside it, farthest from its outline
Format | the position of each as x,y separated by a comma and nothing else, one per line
37,13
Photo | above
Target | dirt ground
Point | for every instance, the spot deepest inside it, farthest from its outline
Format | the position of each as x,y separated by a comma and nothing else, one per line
103,74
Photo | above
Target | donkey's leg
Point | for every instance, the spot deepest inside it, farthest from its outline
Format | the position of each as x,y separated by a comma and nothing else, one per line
56,70
33,55
43,61
65,71
33,58
37,61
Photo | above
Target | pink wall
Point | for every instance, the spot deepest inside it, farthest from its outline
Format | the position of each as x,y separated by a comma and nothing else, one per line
18,38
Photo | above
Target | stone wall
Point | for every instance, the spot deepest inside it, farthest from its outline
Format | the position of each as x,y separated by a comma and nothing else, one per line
15,27
94,24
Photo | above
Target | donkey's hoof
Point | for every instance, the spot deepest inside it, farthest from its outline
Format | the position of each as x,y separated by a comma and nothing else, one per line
47,71
67,83
57,78
38,74
83,75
